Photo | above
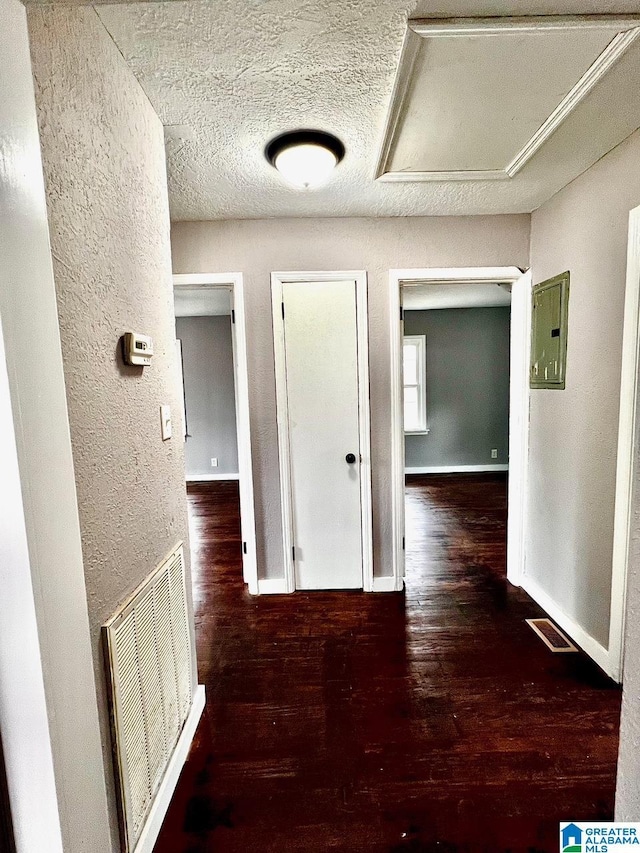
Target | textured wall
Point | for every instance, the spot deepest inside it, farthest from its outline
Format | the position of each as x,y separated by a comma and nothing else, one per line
574,432
256,247
103,154
467,387
207,358
47,690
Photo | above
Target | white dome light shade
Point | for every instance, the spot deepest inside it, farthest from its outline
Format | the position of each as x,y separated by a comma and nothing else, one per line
306,166
305,159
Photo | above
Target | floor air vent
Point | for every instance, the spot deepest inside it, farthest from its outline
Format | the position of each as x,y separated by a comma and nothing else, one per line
148,648
551,636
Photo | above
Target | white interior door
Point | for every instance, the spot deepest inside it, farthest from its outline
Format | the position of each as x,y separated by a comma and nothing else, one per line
321,366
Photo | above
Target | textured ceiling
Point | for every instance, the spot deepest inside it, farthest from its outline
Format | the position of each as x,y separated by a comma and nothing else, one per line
421,297
201,301
237,72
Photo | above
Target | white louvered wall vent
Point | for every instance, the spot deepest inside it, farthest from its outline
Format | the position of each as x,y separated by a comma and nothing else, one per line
148,647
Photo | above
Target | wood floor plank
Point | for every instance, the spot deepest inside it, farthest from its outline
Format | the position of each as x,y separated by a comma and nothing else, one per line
433,720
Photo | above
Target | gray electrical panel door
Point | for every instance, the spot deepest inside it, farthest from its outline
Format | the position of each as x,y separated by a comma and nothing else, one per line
550,307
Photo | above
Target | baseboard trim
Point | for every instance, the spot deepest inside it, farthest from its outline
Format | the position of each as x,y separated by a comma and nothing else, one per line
272,586
209,478
278,586
455,469
153,824
577,633
388,584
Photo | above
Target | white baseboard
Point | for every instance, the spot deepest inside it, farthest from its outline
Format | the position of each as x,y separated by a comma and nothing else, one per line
278,586
153,824
272,586
386,585
210,478
577,633
455,469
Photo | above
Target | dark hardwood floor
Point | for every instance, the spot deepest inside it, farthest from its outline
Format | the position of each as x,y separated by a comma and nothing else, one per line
7,841
396,723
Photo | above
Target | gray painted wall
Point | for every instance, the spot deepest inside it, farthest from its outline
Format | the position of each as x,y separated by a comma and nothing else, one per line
467,387
257,247
105,176
207,358
574,432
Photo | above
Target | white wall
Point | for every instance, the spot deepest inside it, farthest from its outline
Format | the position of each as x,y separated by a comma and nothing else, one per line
45,653
583,229
257,247
105,176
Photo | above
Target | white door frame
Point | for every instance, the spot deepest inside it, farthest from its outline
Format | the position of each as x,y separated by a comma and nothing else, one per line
234,283
27,746
518,401
625,498
359,277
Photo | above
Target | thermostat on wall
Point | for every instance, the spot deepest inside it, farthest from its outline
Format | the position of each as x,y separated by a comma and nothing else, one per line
137,349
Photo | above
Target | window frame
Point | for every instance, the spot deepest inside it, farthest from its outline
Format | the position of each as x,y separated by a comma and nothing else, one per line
420,343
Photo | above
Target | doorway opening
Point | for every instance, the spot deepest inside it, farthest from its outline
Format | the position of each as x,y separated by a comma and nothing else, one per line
455,367
412,285
211,353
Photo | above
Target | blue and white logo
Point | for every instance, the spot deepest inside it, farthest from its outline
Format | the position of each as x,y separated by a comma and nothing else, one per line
598,837
570,838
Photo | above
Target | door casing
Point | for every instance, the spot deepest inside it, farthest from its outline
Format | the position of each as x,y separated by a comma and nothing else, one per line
359,277
626,496
234,283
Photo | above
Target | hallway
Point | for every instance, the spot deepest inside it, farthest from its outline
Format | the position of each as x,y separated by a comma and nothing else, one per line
430,721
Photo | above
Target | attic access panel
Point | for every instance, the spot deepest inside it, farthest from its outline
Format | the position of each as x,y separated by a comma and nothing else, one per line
476,99
549,317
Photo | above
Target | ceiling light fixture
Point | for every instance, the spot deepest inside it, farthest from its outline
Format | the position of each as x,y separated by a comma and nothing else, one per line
305,158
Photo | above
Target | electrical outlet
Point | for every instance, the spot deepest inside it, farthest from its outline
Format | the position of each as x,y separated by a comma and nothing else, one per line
494,453
214,461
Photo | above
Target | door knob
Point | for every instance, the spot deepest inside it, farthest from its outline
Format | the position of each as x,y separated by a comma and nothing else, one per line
351,458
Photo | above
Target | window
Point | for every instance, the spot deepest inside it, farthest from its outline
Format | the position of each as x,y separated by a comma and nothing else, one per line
414,371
